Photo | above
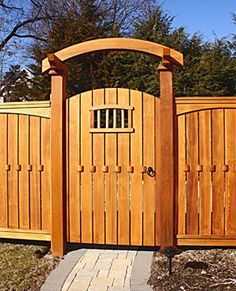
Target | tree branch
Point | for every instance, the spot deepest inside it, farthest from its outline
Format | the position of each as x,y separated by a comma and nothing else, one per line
2,4
35,3
16,28
30,36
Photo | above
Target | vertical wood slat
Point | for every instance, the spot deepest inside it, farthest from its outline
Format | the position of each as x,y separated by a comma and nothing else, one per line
67,156
45,175
123,177
136,176
3,172
148,161
181,176
230,215
23,175
86,176
34,177
74,178
205,175
158,170
192,176
99,187
111,157
218,175
39,172
12,174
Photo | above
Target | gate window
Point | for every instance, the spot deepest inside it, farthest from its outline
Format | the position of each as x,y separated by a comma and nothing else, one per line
111,118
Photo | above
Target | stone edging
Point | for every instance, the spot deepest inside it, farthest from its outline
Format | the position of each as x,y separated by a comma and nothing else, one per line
141,271
57,277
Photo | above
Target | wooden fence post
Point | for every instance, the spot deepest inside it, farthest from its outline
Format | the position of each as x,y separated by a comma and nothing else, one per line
58,74
167,155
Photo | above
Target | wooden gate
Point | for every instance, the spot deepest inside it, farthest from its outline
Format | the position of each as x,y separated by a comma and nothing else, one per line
112,140
111,143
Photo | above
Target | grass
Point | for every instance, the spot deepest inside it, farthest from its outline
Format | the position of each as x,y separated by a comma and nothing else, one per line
23,268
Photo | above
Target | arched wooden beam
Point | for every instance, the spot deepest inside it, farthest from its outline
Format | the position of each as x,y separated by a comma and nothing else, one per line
119,44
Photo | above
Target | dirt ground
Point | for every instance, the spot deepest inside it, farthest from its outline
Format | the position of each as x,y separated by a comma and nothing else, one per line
219,275
24,267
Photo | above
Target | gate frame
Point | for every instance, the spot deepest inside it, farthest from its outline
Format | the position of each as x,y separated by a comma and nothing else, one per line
54,66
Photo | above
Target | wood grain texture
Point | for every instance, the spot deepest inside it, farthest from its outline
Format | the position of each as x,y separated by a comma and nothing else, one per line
12,174
192,176
35,108
181,176
136,176
3,172
123,178
190,104
111,105
45,175
230,160
35,211
157,206
74,176
119,44
231,242
98,177
58,163
111,159
24,199
218,176
86,176
148,160
24,234
167,157
205,175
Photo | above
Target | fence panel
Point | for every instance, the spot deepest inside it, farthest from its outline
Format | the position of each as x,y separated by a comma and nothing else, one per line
209,148
25,170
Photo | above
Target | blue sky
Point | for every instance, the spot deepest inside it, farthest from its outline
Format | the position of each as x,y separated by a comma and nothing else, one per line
207,17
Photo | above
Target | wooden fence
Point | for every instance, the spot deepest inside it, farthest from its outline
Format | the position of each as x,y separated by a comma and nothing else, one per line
68,174
207,171
25,203
206,174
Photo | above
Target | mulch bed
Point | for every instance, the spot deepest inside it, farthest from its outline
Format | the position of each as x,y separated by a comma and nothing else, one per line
24,267
219,275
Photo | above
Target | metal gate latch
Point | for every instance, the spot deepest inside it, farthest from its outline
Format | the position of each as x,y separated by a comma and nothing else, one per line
151,172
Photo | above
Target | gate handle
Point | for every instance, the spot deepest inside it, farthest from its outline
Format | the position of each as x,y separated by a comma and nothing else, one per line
151,172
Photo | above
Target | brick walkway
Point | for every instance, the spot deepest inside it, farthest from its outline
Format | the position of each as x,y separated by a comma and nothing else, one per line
101,270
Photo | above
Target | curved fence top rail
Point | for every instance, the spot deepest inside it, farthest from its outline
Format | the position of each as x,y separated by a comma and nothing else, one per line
185,105
119,44
34,108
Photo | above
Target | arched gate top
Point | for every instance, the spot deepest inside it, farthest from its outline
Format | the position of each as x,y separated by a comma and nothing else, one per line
119,44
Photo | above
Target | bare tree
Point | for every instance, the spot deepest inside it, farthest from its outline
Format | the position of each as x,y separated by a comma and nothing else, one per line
16,19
